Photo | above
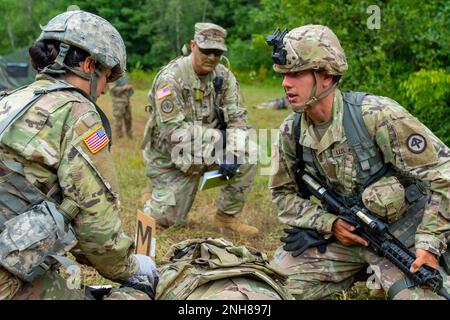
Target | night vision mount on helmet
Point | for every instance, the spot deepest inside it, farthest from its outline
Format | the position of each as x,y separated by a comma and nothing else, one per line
276,41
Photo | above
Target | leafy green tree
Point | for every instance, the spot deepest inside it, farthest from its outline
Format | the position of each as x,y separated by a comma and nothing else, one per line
428,96
21,20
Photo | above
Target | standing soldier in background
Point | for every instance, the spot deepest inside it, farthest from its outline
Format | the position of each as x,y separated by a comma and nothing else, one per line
121,91
368,151
197,96
58,188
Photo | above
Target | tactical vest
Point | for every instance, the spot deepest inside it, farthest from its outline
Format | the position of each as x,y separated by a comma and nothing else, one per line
35,228
196,262
370,167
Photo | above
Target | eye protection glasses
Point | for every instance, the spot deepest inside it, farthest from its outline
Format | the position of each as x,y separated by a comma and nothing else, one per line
207,52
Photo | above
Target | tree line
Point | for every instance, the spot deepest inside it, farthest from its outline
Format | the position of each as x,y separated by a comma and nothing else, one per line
404,57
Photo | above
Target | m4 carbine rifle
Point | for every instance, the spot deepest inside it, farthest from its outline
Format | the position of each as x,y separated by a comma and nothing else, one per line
221,124
379,238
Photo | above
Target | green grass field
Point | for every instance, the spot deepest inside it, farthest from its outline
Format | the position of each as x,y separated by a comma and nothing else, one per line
258,210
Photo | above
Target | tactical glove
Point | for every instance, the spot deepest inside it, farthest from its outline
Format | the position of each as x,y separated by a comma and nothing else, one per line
142,283
146,267
300,239
146,278
228,170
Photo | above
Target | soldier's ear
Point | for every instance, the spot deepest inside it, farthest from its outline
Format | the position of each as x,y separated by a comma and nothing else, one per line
327,80
192,45
88,65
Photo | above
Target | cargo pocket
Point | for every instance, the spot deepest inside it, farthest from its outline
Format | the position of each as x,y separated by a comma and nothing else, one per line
31,237
164,197
26,230
25,241
386,199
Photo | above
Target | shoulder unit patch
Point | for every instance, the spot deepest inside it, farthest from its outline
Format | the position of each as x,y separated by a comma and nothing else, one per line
167,106
416,143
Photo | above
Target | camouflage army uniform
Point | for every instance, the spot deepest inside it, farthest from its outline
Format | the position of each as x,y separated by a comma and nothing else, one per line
50,141
121,107
86,178
315,275
183,106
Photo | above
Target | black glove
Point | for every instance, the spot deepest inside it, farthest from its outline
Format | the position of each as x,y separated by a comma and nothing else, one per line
300,239
228,170
141,283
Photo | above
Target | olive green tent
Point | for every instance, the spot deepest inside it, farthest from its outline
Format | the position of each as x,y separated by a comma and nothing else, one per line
16,70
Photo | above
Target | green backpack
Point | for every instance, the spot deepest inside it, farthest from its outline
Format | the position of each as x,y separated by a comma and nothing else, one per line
199,268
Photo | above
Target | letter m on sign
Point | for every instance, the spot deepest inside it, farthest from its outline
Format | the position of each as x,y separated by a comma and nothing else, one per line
145,235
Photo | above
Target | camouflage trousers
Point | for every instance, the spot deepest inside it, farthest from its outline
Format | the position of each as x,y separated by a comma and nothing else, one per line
52,286
315,275
122,116
174,192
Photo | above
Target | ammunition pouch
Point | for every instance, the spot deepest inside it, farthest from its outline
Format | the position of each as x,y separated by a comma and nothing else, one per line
35,240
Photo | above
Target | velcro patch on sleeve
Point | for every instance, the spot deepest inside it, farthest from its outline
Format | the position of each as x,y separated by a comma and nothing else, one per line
163,92
167,108
96,140
416,148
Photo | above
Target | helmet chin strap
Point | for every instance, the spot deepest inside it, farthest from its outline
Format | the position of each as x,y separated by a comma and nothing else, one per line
59,67
313,98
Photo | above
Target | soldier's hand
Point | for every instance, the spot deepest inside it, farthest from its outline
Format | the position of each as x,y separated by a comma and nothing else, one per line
343,231
146,267
229,170
424,257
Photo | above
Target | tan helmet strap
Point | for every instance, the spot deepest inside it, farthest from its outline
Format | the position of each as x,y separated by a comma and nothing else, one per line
313,98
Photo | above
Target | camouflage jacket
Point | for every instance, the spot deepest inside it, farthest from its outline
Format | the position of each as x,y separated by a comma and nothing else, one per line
49,142
391,128
183,106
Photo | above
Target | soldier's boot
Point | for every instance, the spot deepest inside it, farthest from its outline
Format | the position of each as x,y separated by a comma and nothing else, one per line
226,222
146,194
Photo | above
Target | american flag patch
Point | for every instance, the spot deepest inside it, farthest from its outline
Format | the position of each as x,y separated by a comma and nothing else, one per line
164,92
96,140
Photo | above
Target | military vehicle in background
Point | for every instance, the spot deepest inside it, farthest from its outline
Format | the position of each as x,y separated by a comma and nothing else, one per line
16,70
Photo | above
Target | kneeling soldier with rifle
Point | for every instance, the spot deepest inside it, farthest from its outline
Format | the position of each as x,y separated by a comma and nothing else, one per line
381,176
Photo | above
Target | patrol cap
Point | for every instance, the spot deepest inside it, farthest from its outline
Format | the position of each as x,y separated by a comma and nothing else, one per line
210,36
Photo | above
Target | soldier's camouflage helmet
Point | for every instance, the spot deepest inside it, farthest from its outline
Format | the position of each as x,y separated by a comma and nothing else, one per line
313,47
91,33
